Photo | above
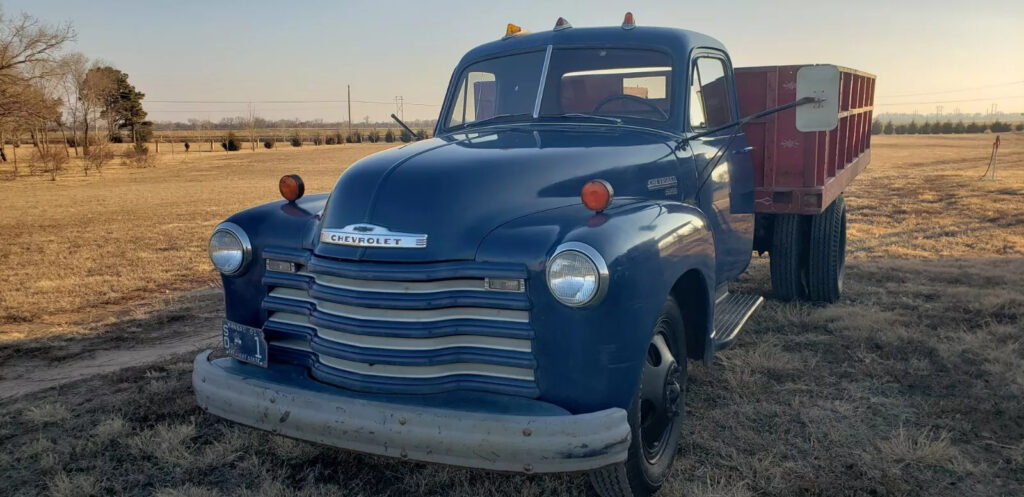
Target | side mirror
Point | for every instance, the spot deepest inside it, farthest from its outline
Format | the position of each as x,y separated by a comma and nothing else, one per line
820,82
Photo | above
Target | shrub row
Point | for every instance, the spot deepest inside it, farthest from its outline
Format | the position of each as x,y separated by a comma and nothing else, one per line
944,128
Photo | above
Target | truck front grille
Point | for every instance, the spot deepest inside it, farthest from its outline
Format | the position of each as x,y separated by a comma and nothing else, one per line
401,328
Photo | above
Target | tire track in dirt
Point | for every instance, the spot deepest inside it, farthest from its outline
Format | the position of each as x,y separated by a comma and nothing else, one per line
188,322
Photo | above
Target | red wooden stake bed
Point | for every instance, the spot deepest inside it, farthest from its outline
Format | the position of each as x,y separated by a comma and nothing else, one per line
803,172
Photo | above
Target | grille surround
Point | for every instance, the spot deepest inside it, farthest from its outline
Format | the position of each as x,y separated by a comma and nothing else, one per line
402,328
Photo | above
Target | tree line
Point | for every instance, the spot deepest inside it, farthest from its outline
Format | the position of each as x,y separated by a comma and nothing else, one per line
943,128
46,90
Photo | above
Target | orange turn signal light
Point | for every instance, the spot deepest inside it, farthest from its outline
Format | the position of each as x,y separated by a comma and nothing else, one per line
291,186
597,195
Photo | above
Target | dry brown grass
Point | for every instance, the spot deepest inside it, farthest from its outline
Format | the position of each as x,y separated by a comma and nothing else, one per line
913,384
76,248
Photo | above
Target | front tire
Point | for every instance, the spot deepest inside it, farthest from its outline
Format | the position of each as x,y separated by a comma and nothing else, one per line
655,416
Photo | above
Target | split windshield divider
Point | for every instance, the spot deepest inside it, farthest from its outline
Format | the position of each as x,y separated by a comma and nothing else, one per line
543,77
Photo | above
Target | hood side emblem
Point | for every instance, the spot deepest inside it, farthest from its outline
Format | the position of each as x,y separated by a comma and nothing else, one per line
368,235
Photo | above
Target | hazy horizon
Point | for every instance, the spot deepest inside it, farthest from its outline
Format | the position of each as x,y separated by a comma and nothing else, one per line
207,60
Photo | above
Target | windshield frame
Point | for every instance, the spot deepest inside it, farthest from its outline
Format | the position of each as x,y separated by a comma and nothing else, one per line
670,125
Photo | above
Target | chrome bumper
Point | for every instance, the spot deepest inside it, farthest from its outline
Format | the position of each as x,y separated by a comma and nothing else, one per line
478,440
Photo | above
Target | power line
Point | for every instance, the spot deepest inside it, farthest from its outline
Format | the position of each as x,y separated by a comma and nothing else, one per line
1011,83
950,101
381,102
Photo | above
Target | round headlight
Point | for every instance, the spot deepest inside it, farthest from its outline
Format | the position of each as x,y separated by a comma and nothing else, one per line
577,274
230,250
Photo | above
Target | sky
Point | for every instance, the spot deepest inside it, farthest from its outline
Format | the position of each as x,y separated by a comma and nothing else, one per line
955,54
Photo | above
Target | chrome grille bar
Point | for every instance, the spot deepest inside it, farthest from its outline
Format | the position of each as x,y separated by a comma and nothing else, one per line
403,315
397,343
390,370
467,284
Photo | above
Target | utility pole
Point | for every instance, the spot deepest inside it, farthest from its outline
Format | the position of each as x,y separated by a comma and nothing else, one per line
349,101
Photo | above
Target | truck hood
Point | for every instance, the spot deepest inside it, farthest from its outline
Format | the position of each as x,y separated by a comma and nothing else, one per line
458,188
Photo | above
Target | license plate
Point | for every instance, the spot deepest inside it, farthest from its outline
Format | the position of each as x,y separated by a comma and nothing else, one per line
245,343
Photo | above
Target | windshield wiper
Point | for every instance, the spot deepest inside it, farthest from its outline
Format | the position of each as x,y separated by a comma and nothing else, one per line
493,118
589,116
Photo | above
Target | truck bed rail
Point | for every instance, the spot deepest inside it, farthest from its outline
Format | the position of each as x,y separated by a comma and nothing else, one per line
803,172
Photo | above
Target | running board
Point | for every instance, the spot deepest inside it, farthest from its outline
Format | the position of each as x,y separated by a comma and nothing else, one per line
731,313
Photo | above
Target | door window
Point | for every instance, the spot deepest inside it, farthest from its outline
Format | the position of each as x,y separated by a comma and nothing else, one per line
710,103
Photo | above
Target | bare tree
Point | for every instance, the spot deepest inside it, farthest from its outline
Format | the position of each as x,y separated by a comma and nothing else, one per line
24,41
250,124
94,89
74,67
99,155
52,161
29,54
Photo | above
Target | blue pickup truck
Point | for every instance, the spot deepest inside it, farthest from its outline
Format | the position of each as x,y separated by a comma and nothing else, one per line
523,291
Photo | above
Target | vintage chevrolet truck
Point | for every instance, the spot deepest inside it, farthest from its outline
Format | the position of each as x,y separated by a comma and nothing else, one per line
523,291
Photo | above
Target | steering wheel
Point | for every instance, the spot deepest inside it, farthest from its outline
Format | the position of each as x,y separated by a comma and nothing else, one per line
632,98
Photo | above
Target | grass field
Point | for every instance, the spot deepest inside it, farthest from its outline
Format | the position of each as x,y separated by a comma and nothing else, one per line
913,384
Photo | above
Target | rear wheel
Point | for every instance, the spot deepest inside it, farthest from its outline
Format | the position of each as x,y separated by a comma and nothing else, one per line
788,257
656,415
828,253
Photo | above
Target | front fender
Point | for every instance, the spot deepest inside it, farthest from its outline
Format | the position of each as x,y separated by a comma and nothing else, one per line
275,224
590,358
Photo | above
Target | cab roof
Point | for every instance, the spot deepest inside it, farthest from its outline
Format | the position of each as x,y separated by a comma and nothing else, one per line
673,40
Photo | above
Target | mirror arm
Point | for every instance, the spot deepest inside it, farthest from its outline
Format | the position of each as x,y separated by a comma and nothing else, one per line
400,123
803,101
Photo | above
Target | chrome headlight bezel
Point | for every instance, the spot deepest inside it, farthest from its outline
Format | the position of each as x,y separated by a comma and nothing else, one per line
602,276
245,246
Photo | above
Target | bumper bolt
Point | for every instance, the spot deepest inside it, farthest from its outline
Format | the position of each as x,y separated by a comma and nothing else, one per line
527,432
528,468
401,421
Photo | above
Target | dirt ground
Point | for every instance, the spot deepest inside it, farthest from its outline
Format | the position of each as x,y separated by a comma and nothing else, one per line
911,385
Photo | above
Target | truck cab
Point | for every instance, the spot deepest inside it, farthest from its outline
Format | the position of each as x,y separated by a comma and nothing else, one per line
521,292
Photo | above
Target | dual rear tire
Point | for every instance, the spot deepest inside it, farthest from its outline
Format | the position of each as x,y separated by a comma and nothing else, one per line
808,255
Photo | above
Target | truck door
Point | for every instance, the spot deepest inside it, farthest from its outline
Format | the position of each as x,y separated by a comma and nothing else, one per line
725,174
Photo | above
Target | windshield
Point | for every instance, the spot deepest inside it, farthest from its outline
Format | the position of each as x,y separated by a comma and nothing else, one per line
614,84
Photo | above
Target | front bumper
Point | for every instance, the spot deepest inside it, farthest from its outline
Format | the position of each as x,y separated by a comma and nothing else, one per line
299,407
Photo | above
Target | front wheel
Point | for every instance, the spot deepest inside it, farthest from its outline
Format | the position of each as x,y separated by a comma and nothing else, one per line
655,416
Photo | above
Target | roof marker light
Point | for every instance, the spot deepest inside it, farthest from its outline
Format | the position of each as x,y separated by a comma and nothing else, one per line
627,22
512,30
561,24
597,194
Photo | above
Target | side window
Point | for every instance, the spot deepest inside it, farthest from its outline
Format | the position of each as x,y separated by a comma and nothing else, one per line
709,93
475,100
